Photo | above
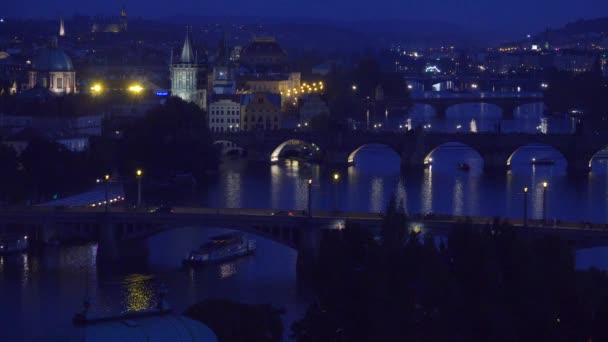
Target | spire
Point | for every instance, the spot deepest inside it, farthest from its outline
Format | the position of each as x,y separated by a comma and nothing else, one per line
187,54
61,28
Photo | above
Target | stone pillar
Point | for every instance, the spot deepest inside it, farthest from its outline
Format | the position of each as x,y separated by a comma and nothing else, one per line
308,248
107,243
494,160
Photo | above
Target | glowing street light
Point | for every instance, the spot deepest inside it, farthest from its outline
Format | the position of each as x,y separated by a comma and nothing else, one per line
354,87
96,89
545,185
139,174
106,185
336,178
136,88
525,206
310,197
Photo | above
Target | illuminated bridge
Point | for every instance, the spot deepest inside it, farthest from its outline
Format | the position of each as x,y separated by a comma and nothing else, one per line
415,147
122,232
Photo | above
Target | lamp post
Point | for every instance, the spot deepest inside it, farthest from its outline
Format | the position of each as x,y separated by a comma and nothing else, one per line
139,173
545,185
106,179
336,178
525,206
309,197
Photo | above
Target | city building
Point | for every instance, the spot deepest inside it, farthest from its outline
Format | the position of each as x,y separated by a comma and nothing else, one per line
224,113
184,76
574,61
281,83
112,24
263,54
52,69
260,112
312,105
222,80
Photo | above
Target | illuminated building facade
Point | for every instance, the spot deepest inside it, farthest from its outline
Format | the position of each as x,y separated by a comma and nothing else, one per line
260,112
52,69
224,113
184,80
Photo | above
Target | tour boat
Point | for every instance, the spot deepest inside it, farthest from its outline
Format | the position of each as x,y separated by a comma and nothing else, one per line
220,248
542,161
13,245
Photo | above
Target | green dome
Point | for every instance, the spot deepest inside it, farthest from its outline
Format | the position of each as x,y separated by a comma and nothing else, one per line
52,59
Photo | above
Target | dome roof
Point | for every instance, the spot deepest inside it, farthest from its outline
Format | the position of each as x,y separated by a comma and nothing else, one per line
52,59
263,46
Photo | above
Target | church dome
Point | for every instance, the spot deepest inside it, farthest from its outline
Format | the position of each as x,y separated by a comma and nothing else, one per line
52,59
263,51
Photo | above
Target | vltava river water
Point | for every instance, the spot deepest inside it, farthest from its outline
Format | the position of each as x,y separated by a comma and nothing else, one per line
40,291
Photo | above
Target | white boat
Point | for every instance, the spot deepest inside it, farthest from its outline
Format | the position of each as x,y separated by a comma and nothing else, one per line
220,248
9,245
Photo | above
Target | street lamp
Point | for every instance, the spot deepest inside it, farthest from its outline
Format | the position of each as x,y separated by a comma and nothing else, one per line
525,206
354,87
96,89
139,173
309,197
336,177
545,185
106,179
136,88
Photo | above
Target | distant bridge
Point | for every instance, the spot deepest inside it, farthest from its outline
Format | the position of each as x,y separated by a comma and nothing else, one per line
507,102
117,231
415,147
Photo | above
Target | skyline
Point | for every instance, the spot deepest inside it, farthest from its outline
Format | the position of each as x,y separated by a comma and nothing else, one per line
515,17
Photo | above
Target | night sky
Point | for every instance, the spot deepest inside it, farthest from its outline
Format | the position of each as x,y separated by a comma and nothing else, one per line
515,15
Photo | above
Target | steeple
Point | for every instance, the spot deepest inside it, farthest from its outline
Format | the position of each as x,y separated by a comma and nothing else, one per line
187,54
61,28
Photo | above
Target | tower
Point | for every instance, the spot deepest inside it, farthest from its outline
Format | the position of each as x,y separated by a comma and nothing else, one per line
184,83
123,19
61,28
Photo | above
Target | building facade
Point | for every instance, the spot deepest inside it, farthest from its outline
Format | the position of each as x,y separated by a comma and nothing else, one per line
224,113
184,76
260,112
52,69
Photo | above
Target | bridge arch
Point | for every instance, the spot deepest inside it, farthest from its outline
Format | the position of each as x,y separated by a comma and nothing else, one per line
483,106
228,147
529,109
353,154
428,156
276,153
600,156
548,157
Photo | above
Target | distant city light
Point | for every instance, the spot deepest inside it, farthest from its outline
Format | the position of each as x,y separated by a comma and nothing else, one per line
432,68
544,85
474,85
162,93
96,88
136,88
528,36
1,20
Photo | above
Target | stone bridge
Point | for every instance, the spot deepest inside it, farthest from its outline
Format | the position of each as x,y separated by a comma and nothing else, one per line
415,147
121,233
507,102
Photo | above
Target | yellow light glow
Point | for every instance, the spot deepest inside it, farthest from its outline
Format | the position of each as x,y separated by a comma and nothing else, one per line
106,177
309,181
136,88
96,88
336,176
545,185
526,189
139,172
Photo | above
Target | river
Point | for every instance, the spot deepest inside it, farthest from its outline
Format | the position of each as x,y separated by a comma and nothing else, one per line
40,291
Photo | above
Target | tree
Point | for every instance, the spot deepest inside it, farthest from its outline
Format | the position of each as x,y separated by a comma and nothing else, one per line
232,321
170,139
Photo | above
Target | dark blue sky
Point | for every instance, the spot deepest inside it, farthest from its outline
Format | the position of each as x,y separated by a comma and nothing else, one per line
515,15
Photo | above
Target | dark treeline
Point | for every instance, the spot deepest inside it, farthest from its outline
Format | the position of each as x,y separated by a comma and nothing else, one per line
171,139
587,92
486,285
